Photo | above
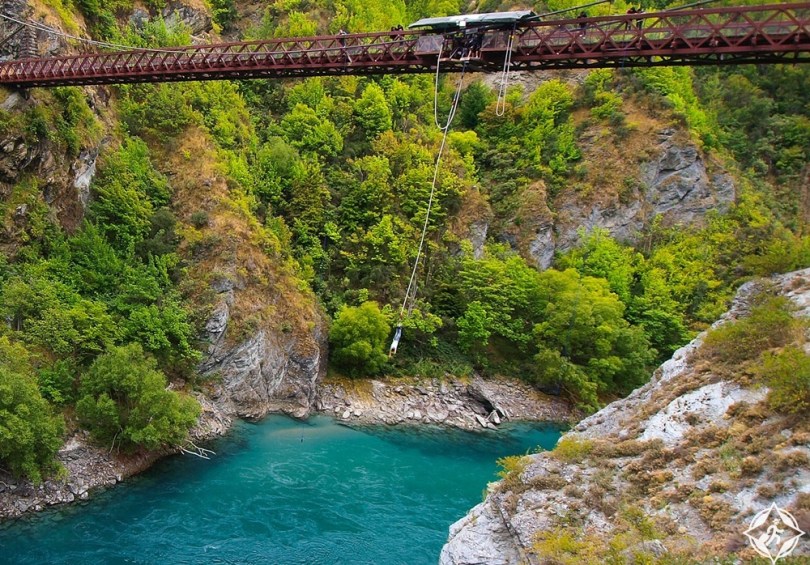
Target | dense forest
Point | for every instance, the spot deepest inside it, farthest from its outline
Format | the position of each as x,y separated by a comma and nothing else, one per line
332,178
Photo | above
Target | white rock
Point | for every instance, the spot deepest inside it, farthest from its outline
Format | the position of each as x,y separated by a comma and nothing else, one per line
346,414
480,537
710,401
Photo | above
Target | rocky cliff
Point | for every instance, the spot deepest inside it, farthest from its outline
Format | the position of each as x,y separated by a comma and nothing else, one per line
628,176
674,181
679,467
266,339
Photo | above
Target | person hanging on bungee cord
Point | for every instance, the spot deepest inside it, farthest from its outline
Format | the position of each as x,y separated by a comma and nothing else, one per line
395,343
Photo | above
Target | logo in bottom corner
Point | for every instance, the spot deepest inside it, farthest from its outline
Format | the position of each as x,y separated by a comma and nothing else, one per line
774,533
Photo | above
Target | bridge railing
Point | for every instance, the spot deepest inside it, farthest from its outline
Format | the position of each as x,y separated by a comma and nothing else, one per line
730,28
640,38
321,50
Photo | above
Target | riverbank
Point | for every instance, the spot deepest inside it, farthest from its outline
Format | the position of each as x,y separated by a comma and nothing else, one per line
89,467
468,404
471,404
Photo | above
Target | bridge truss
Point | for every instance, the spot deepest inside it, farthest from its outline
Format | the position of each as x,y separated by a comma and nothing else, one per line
720,36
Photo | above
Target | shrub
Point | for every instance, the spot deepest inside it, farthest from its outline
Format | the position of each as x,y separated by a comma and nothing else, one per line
571,449
199,219
56,382
787,373
358,337
770,324
566,546
512,468
124,400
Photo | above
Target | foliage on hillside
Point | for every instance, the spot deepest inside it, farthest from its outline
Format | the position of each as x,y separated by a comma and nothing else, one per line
329,180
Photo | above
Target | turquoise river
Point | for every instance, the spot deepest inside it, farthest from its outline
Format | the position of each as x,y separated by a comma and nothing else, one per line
283,492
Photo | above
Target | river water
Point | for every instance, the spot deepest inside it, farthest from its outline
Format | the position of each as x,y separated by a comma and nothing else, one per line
284,492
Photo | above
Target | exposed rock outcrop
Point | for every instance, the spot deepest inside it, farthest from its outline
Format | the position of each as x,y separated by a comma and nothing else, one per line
676,184
195,17
268,372
62,182
679,466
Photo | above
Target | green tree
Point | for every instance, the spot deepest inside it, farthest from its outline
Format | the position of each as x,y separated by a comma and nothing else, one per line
127,190
306,131
30,434
224,12
358,337
583,322
473,329
124,401
474,100
372,111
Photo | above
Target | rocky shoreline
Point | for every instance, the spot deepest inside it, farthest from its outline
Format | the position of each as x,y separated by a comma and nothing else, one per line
89,467
471,405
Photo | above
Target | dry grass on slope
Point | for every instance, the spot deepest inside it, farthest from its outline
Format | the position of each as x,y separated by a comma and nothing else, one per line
616,152
223,241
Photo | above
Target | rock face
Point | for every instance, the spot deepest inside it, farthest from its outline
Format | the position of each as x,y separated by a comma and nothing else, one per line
63,183
197,20
678,185
481,537
475,405
689,458
268,371
675,184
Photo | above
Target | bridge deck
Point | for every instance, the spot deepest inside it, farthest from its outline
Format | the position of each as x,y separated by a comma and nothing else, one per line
764,34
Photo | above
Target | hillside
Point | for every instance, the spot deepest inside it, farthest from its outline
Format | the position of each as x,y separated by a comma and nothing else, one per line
676,471
215,248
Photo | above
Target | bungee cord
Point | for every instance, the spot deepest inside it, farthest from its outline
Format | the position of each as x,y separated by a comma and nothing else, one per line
410,292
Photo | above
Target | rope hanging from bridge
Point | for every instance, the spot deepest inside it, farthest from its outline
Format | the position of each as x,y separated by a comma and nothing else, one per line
500,105
410,292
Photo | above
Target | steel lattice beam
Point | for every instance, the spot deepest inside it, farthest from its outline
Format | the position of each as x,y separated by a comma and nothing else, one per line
723,36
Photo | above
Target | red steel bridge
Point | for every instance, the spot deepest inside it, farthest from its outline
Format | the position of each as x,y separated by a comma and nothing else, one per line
778,33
